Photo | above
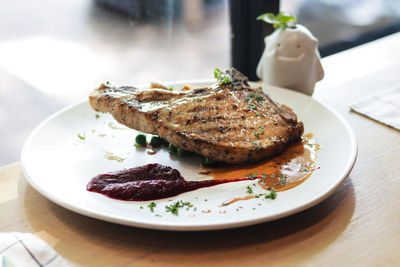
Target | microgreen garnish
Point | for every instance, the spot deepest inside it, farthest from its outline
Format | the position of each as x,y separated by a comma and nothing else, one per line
151,206
82,137
221,76
281,20
249,190
261,130
226,80
255,133
272,194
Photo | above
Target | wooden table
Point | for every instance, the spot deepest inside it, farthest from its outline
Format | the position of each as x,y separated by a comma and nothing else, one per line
359,225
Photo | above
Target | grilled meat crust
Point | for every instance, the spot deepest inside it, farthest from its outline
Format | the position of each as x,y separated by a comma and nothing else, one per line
229,122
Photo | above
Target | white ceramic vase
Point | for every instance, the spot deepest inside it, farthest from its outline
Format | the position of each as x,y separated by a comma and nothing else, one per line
291,60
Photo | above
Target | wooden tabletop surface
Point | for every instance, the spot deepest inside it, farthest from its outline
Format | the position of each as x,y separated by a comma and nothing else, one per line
359,225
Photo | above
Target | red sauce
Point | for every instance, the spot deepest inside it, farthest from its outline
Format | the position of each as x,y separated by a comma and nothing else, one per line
148,182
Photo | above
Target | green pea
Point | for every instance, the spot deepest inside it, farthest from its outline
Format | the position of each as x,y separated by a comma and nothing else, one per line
156,141
140,139
164,141
172,148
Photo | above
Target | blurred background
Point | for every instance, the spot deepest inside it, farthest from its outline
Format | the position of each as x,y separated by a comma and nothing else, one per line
53,53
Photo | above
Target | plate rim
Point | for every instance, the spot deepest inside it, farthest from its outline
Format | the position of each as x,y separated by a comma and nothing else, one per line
198,227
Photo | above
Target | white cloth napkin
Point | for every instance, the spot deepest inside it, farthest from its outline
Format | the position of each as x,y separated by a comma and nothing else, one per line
24,249
383,107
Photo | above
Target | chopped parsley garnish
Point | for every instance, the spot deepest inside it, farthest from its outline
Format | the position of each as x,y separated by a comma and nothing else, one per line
171,88
252,176
282,179
151,206
252,106
261,131
82,137
304,170
173,208
257,146
272,194
257,97
97,116
249,190
221,76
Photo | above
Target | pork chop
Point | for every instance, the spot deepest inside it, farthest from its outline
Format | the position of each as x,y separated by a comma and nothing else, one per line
226,122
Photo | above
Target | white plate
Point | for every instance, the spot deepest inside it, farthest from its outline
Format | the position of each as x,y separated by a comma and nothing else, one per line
59,165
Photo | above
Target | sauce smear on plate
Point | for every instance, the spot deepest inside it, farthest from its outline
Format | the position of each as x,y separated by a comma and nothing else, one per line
156,181
282,172
148,182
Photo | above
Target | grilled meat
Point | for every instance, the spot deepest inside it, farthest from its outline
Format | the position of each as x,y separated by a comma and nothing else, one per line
226,122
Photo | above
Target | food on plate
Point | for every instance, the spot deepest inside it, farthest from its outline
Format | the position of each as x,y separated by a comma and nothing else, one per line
148,182
226,122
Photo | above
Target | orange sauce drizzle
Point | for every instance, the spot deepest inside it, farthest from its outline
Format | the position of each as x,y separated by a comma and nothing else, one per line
233,200
281,173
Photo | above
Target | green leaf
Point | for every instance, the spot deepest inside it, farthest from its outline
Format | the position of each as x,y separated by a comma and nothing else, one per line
82,137
217,73
280,21
221,76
